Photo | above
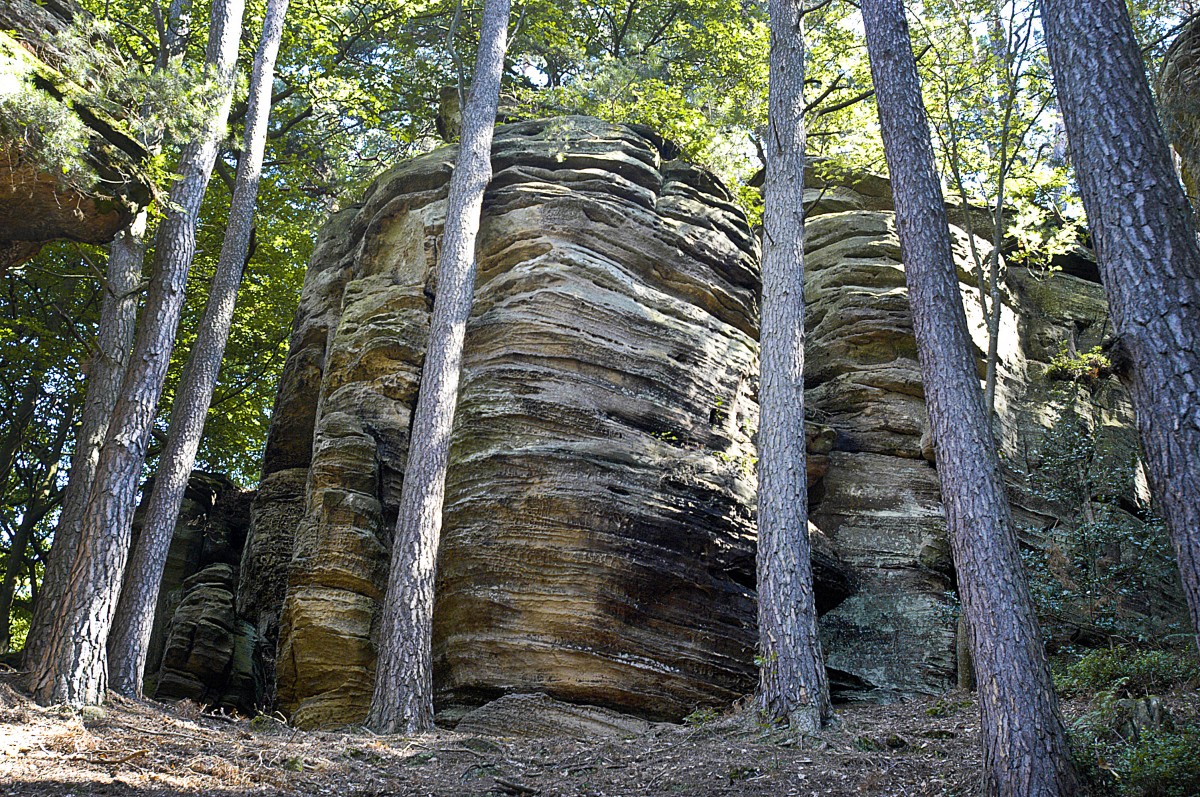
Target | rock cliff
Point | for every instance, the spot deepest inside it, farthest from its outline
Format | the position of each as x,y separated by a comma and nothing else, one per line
199,648
598,543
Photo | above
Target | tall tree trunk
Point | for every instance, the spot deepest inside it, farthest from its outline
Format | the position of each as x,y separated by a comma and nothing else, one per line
105,371
1025,746
1149,258
403,697
792,685
130,638
74,667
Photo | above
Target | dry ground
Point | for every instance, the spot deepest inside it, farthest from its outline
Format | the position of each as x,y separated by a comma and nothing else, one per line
147,749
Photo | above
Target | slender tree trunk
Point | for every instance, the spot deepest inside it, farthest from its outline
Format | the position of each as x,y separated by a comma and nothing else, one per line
16,561
105,371
21,419
1146,244
130,638
42,499
1025,746
792,685
403,698
74,667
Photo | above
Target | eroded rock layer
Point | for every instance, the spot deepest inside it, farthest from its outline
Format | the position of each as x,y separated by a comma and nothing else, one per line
599,529
598,538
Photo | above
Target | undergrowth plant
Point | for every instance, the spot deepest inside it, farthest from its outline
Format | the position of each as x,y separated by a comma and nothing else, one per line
1108,572
1119,756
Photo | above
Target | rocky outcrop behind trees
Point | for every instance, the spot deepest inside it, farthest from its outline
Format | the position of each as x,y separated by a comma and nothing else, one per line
37,203
598,544
1179,101
199,648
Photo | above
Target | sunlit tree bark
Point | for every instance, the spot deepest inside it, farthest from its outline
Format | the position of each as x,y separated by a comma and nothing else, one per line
403,697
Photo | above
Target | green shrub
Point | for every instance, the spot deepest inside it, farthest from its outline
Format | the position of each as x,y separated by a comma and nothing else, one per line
1085,368
1126,672
1163,764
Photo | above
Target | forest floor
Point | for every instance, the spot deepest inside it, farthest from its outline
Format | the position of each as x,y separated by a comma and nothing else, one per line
148,749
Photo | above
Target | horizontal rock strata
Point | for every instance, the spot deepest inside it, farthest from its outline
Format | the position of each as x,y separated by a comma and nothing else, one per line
599,532
599,536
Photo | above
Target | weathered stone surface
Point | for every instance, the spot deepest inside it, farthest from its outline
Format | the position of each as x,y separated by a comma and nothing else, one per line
199,649
598,543
36,206
600,496
1179,101
208,651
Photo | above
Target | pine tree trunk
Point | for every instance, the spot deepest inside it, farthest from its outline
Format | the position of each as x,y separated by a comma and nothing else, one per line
74,667
792,682
403,697
105,371
130,638
1025,747
1149,258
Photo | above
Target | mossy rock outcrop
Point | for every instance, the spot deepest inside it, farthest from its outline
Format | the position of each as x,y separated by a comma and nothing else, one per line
37,203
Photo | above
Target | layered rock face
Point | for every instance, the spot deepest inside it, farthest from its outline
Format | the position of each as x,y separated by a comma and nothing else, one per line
1179,99
199,648
598,538
598,543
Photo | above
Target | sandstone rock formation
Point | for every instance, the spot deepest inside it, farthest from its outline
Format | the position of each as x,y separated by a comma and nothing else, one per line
1179,99
36,204
600,496
598,544
199,648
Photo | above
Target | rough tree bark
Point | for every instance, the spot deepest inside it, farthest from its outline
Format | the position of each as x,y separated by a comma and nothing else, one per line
1025,746
1149,257
130,638
73,669
403,697
105,371
792,684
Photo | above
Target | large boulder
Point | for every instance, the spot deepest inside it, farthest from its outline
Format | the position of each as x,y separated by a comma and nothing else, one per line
599,534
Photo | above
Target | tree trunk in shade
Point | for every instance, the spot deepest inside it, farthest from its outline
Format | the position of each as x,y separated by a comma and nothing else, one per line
403,697
130,637
1146,244
73,668
792,683
105,371
1025,746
